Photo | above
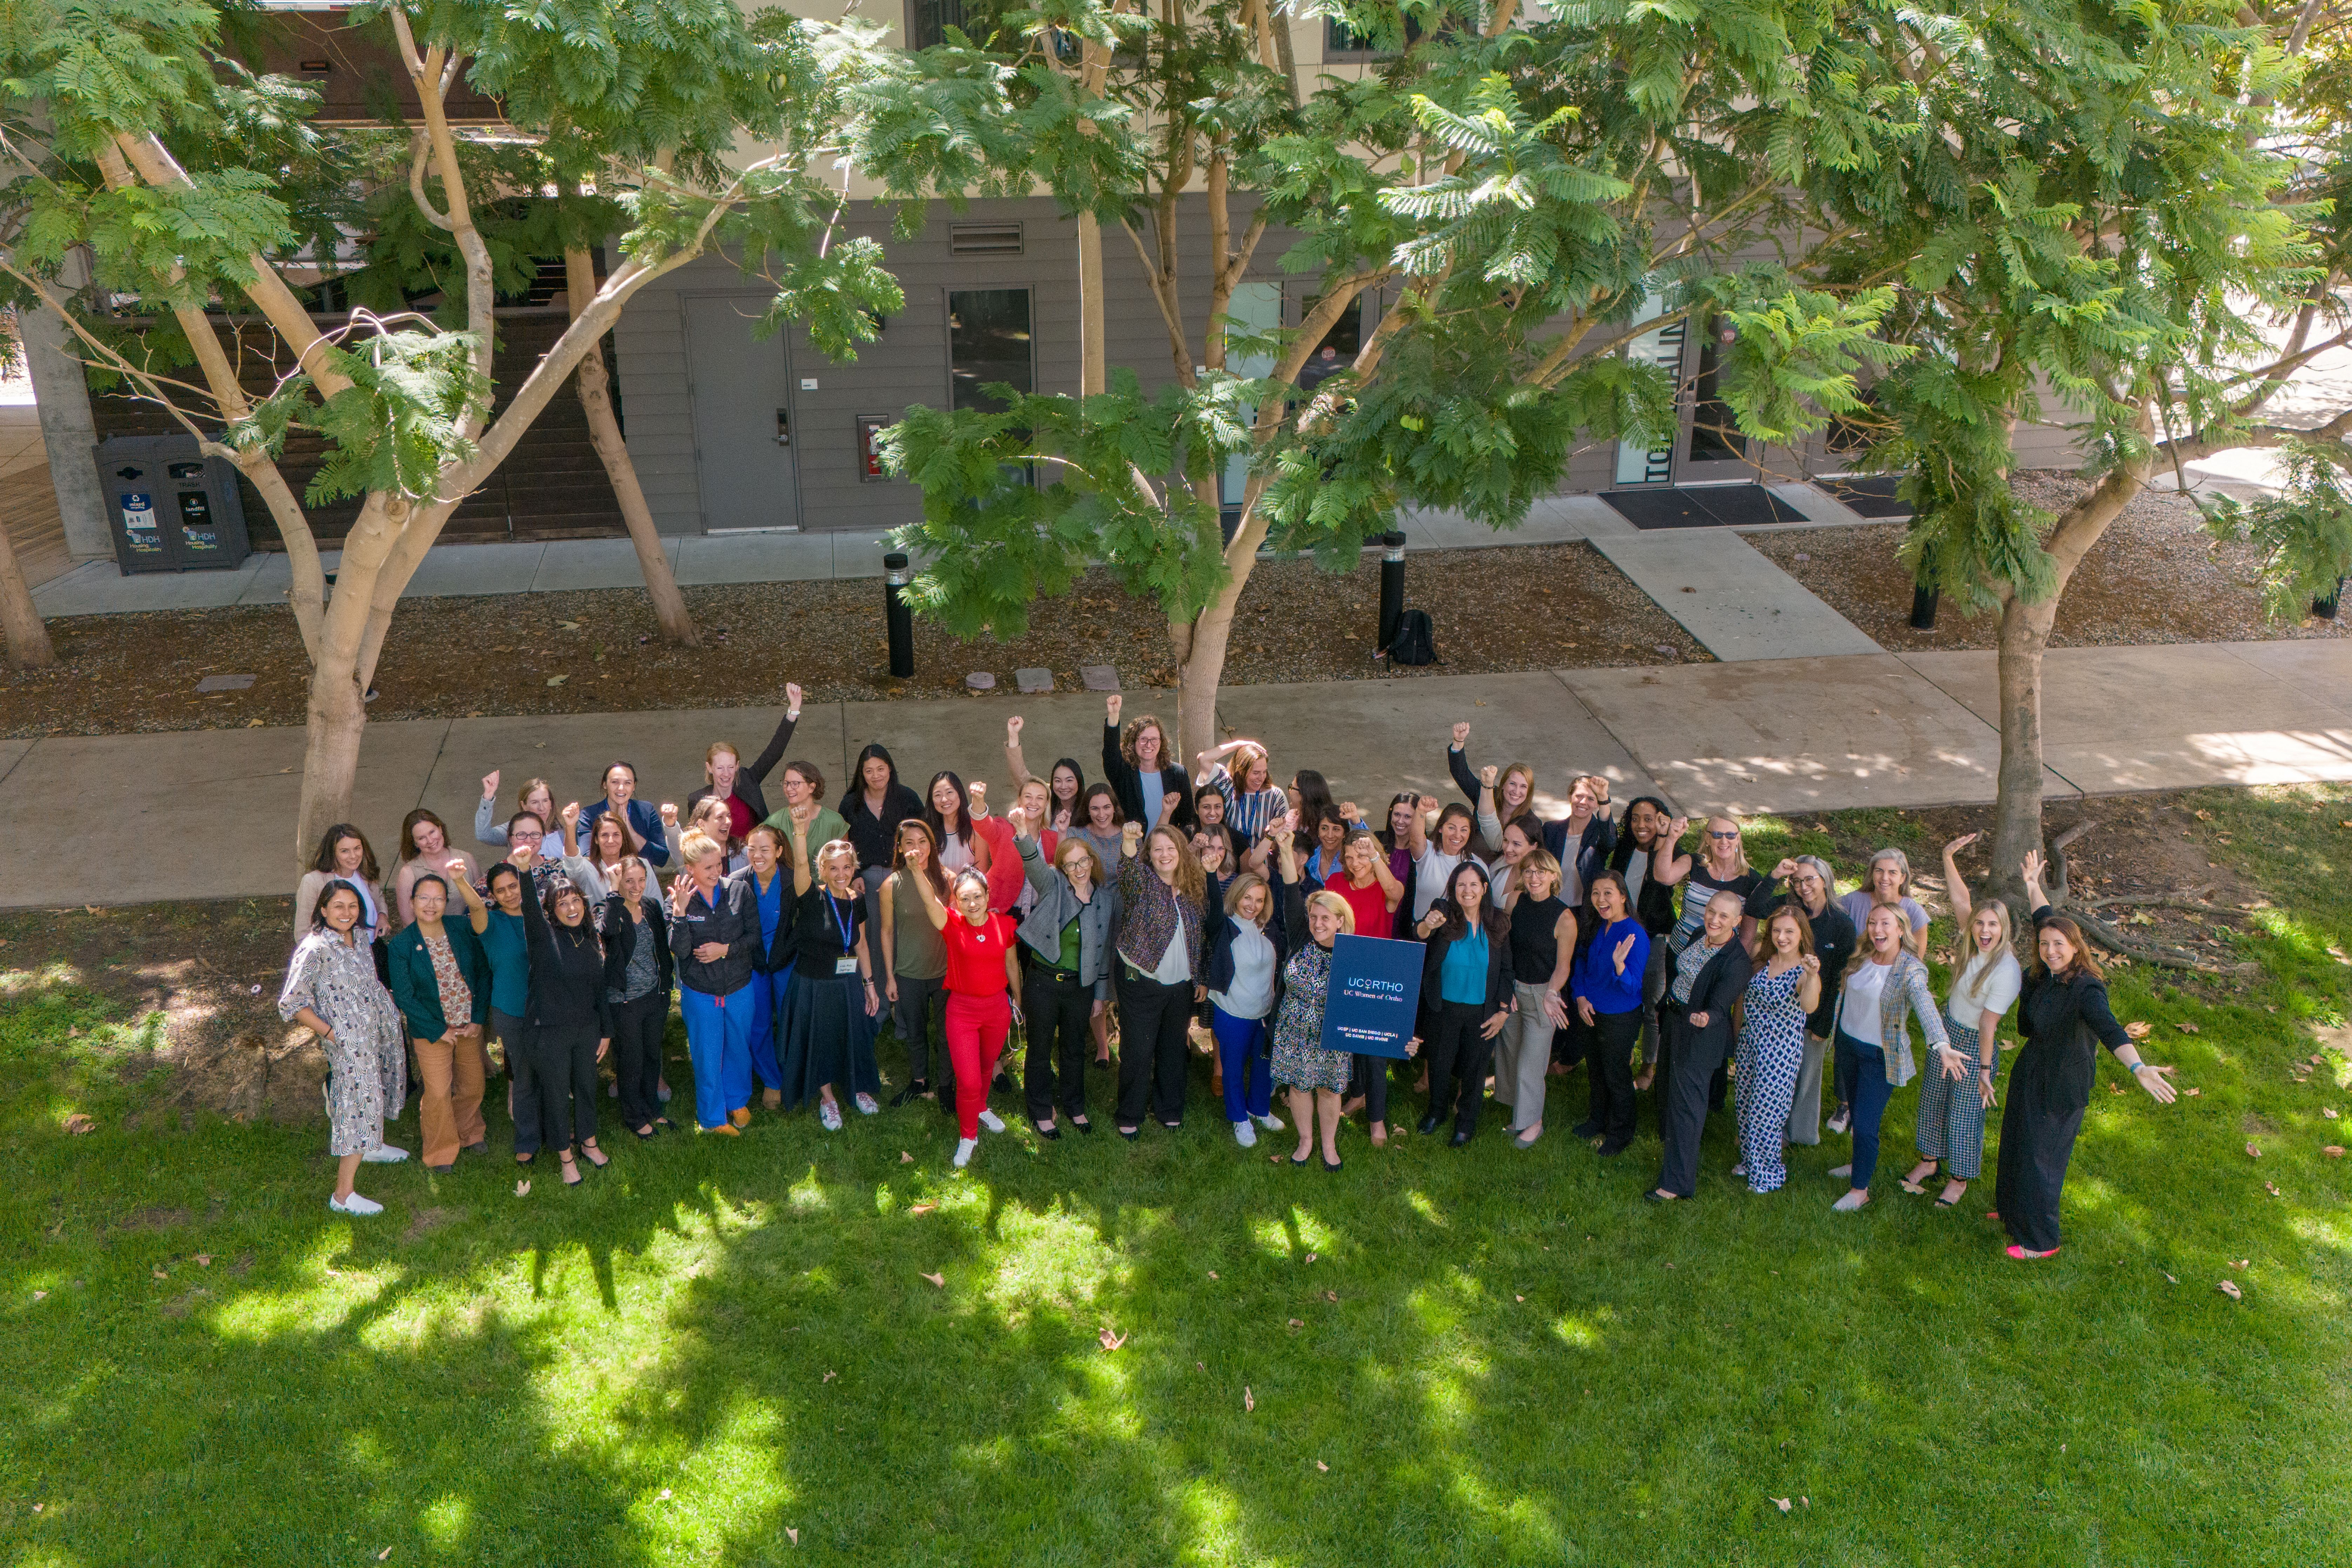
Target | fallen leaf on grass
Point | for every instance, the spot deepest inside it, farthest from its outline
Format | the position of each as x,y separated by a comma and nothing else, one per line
2187,1028
2241,1262
828,1377
1297,1322
1212,1274
2168,1279
203,1260
40,1295
1333,1297
792,1536
1324,1468
2138,1028
557,680
1111,1342
905,1158
2253,1151
2192,1092
2333,1151
922,1208
1518,1297
664,1495
161,1275
1783,1504
383,1554
1310,1257
522,1189
940,1280
2114,1089
78,1123
1249,1400
2274,1189
2326,1110
2229,1287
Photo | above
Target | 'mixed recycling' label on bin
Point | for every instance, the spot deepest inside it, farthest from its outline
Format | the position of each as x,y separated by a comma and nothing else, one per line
140,529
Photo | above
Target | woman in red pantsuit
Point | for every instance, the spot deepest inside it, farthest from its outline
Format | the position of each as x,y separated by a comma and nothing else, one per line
983,972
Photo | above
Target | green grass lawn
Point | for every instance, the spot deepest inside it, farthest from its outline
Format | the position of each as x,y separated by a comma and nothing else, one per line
1480,1356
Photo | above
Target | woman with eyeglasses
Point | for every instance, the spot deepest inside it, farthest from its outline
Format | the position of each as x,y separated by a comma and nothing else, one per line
803,790
441,982
1139,763
331,990
1069,931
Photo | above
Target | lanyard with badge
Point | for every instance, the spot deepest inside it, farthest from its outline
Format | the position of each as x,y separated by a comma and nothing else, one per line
847,962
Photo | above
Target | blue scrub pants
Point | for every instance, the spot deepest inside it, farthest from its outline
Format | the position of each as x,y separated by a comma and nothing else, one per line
719,1038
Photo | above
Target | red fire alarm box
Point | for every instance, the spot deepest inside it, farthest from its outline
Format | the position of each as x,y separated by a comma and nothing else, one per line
870,445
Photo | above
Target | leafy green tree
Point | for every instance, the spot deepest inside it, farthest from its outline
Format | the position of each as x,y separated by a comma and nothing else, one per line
193,186
2085,212
1521,200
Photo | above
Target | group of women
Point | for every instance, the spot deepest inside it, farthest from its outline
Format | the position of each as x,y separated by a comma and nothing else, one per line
1162,902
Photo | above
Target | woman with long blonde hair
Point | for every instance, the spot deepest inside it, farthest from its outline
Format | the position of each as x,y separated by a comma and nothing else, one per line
1955,1096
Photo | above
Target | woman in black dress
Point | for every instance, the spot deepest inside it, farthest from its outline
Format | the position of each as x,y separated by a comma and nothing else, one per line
2063,1017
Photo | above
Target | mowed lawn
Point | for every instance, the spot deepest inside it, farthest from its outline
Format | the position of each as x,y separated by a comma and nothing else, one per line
723,1351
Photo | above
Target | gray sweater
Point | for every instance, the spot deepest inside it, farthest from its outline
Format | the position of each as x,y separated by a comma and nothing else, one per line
1056,906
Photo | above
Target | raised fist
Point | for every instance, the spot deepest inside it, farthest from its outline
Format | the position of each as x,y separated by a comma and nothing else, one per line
791,696
571,814
1013,730
490,785
1461,736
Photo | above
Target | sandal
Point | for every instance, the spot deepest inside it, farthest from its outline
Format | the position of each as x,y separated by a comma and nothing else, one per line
596,1157
571,1177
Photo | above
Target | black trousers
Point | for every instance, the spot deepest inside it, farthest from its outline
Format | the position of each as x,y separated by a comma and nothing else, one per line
1609,1066
913,1013
1153,1023
1057,1010
1459,1060
637,1028
563,1071
1370,1078
1694,1058
513,1036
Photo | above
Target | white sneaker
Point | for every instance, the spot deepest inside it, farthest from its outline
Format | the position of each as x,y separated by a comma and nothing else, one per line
989,1120
383,1155
829,1112
664,1094
964,1146
1245,1134
1839,1121
1851,1201
1271,1123
865,1105
1842,1170
1740,1169
356,1204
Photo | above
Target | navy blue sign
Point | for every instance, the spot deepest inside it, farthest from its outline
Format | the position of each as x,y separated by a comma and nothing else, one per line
1374,994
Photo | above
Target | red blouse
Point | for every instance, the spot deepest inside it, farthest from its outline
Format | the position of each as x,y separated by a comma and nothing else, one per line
976,954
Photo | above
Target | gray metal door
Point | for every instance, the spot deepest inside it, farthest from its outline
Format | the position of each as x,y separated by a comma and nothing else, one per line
741,390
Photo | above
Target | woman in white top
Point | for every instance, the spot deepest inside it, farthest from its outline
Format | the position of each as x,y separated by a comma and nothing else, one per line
1889,882
1953,1099
344,855
1245,959
1437,850
596,870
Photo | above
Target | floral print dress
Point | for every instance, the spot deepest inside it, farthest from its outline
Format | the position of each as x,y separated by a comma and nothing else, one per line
1299,1059
367,1063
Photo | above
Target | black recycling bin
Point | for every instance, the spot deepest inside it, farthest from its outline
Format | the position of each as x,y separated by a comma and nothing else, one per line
173,509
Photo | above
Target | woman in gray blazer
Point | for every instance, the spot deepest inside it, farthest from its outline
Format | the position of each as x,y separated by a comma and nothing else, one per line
1069,934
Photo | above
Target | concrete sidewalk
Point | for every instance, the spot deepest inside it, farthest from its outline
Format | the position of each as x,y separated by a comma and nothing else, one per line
1794,735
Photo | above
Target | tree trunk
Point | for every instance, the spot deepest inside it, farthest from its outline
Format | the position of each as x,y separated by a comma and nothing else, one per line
330,752
1093,375
29,639
2017,816
1200,653
605,431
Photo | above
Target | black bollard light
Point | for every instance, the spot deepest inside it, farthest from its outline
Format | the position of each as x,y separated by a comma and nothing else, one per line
1924,601
895,578
2326,605
1392,587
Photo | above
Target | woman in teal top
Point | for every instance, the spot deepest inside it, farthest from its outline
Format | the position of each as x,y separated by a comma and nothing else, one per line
499,925
1468,970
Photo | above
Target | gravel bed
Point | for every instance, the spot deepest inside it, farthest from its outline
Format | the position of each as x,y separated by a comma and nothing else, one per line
1515,608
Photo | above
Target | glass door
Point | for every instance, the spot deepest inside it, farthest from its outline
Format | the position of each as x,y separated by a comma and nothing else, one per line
1711,448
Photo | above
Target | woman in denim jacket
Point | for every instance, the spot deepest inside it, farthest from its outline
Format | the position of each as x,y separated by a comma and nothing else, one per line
1886,987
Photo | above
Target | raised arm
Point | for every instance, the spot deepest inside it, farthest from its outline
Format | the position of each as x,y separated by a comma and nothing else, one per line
1669,862
487,830
1416,834
2035,899
1114,766
477,914
773,753
936,910
802,875
1457,762
1020,770
1205,762
1391,889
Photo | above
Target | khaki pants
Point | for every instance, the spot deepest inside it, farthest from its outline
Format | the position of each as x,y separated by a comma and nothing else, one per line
450,1109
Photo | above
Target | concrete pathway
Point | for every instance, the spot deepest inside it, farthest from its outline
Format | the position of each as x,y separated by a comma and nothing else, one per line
1782,736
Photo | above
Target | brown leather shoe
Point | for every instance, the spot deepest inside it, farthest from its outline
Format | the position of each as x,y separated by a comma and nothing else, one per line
740,1117
728,1128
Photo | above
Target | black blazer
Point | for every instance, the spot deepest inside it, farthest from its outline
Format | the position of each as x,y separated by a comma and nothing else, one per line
1721,982
1655,907
748,776
1499,976
779,955
622,935
1126,784
1591,853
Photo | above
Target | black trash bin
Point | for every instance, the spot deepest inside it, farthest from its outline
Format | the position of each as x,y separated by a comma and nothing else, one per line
173,507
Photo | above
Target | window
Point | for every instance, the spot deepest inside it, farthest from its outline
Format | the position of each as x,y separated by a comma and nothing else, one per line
988,342
1342,42
927,21
1714,431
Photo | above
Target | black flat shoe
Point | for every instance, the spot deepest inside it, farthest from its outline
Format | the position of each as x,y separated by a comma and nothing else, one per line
1425,1126
1130,1133
1085,1127
1608,1151
1585,1130
1004,1084
1333,1165
1651,1198
914,1087
479,1146
1173,1126
1458,1139
1301,1159
1043,1130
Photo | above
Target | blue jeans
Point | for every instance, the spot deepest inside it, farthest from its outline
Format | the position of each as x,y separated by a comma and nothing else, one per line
768,994
1241,1050
719,1040
1862,1084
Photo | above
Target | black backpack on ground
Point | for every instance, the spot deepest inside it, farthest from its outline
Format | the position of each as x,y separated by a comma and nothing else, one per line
1415,641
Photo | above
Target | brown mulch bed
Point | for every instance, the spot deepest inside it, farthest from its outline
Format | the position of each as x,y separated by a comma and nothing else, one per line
1524,607
2156,576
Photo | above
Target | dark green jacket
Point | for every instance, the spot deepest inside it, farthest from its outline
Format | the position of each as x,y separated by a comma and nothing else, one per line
416,990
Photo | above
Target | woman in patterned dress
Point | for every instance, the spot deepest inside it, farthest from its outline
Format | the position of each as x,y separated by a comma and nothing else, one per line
1316,1078
1780,994
331,990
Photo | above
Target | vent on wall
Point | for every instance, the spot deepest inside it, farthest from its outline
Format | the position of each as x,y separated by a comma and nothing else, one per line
985,239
